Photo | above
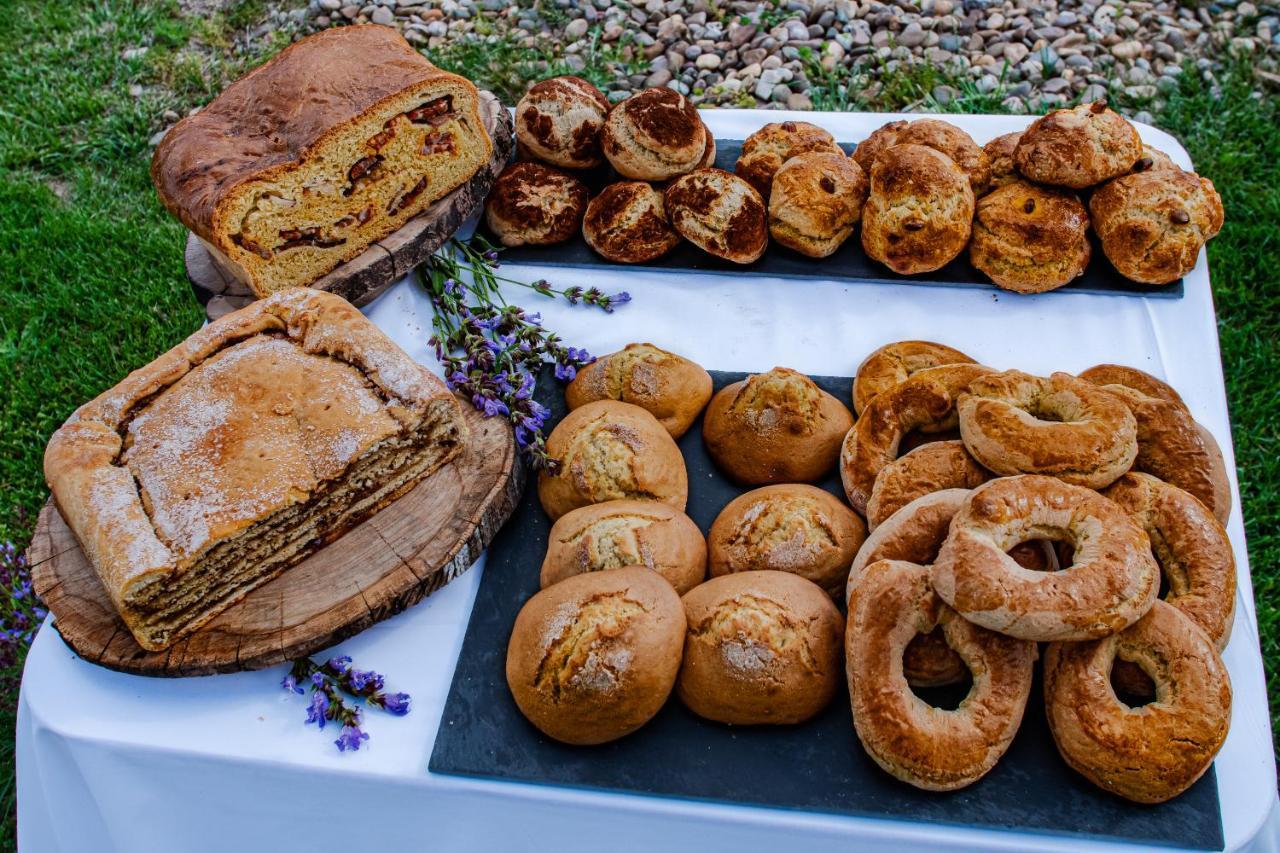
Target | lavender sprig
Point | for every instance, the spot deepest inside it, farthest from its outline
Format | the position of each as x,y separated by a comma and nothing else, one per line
492,351
329,683
20,620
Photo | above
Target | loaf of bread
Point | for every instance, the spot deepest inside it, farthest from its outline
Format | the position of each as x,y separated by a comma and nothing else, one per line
306,161
671,388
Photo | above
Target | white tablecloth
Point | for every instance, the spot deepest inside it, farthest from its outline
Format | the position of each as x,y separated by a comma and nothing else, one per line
112,762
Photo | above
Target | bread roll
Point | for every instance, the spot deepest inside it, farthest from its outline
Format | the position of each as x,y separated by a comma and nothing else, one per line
671,388
764,151
654,135
535,205
1030,239
1078,147
941,136
816,202
920,210
719,213
627,223
558,121
999,153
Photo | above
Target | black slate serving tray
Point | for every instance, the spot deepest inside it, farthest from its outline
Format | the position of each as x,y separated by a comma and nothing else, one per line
818,766
848,264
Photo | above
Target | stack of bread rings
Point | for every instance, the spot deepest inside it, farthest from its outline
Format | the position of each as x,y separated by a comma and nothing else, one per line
923,191
989,512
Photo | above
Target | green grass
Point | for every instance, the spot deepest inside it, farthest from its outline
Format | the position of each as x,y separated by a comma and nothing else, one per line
91,279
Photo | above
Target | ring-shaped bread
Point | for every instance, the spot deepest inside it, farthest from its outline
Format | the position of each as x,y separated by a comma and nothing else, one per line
1132,377
928,468
1061,426
1110,584
918,743
1152,753
898,362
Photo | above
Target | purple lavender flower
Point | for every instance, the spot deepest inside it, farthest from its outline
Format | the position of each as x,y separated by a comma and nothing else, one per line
339,665
361,680
290,684
495,407
565,372
318,708
349,738
393,703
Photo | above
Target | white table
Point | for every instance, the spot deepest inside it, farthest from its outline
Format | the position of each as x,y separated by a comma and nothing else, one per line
112,762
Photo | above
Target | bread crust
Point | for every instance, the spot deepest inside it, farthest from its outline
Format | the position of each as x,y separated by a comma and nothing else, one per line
929,468
1132,377
788,528
1153,224
763,648
594,657
898,362
1078,147
815,202
774,427
654,135
1153,159
1154,753
999,153
610,450
1030,239
765,151
627,223
719,213
621,533
532,204
919,213
941,136
1110,584
558,121
670,387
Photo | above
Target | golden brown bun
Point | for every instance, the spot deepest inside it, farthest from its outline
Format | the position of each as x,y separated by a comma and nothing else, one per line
1156,752
816,202
719,213
881,140
775,427
787,528
1132,377
919,214
626,533
898,362
671,388
929,468
1110,584
594,657
762,648
1078,147
941,136
1076,431
654,135
1153,224
1153,159
627,223
999,153
558,121
1030,239
764,151
609,450
911,740
535,205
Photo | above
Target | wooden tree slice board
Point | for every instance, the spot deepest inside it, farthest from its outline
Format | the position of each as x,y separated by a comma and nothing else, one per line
389,562
365,276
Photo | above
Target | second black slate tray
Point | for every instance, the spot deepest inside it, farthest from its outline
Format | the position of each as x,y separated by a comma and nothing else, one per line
848,264
818,766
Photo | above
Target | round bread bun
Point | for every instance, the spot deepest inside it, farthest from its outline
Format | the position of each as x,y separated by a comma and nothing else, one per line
626,533
881,139
1153,160
1132,377
1030,239
654,135
558,121
1078,147
999,153
594,657
775,427
671,388
1153,224
816,202
911,740
941,136
764,151
1060,426
627,223
1153,753
787,528
763,648
534,205
719,213
919,213
898,362
609,450
929,468
1110,584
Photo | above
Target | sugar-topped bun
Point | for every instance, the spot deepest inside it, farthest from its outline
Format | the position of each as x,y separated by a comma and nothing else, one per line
1030,238
764,151
654,135
1078,147
627,223
558,121
920,211
816,202
535,205
719,213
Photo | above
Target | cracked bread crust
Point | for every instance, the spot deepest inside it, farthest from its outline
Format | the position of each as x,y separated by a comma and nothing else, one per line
816,202
1153,159
765,151
719,213
671,388
654,135
881,140
558,121
594,657
1153,224
535,205
941,136
627,223
1030,239
608,451
775,427
1153,753
187,462
897,362
999,153
919,213
793,528
763,648
621,533
1078,147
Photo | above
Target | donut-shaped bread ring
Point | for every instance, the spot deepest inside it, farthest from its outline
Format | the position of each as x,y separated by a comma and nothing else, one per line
1016,423
1132,377
1155,752
898,362
926,399
926,746
1111,582
929,468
